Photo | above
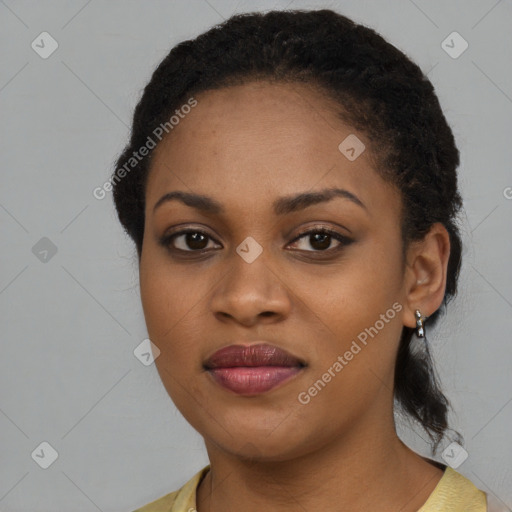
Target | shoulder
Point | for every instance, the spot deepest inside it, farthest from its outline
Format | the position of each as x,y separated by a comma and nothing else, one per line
181,500
455,493
162,504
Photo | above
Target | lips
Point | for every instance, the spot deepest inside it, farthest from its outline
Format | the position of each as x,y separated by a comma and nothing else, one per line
253,369
261,354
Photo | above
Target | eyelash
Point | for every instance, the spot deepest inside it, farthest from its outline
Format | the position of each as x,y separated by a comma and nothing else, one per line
167,240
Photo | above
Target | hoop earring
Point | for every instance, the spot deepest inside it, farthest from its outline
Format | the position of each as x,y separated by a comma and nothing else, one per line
420,327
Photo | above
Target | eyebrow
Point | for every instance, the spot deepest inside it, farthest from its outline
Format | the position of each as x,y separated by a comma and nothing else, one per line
281,206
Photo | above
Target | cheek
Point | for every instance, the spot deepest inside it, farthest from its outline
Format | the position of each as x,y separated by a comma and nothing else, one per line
352,295
169,302
168,294
356,311
169,316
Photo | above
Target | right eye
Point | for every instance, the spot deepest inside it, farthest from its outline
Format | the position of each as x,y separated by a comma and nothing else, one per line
188,240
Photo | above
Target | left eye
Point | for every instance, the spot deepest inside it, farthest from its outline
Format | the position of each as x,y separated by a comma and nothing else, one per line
320,239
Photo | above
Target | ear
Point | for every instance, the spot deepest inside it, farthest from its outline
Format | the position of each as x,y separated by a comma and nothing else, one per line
425,273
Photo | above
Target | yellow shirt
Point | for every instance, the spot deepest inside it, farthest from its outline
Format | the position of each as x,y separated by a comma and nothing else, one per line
453,493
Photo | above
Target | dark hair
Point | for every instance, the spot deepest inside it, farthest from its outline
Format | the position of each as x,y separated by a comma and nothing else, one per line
375,88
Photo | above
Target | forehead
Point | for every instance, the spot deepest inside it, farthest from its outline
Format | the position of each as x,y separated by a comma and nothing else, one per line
244,143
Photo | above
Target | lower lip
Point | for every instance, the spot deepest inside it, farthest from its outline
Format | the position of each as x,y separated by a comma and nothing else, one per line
253,380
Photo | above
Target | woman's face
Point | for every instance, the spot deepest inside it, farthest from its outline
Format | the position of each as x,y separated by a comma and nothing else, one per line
258,152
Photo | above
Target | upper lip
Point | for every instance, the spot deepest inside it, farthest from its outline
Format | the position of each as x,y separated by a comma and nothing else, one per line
260,354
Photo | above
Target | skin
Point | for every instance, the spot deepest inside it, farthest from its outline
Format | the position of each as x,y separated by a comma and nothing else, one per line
245,146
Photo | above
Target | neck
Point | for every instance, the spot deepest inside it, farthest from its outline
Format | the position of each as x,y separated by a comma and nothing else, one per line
367,468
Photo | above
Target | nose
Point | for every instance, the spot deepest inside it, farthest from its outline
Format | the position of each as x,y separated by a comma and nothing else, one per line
249,293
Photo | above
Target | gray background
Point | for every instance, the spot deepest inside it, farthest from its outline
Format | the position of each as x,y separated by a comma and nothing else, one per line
70,323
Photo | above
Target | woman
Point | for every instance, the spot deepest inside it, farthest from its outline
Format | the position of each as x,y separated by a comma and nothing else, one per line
291,189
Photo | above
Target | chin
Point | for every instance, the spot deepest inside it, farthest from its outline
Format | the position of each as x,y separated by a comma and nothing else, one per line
259,450
268,442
